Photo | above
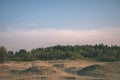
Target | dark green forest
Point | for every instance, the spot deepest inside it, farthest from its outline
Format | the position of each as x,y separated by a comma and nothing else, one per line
98,52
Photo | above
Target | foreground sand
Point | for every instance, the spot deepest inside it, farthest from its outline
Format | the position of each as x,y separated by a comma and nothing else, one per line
60,70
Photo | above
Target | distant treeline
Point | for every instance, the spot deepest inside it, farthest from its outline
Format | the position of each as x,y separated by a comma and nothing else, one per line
90,52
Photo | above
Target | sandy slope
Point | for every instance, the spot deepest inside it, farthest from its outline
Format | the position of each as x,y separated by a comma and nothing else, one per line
60,70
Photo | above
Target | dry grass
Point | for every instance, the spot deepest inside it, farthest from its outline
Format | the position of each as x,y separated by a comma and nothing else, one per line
58,70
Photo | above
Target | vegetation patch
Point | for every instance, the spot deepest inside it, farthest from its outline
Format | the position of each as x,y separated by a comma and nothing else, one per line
101,70
58,65
71,70
91,71
35,70
70,78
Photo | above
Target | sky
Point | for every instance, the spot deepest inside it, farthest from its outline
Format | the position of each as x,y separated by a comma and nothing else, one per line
31,24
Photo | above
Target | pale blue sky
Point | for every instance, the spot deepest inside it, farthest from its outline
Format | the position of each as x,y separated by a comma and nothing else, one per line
41,23
60,14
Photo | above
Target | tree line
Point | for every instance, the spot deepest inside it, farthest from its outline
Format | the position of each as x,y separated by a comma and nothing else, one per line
98,52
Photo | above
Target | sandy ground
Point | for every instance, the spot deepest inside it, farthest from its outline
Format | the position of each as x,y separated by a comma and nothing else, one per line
49,70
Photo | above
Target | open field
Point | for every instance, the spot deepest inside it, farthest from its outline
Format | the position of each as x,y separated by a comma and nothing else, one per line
60,70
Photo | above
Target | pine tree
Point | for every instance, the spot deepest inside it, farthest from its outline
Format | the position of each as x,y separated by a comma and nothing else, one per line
3,54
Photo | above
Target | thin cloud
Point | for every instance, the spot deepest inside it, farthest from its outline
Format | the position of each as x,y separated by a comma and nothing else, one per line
29,24
28,39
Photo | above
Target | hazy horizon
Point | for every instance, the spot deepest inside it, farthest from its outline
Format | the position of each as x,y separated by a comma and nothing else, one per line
31,24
